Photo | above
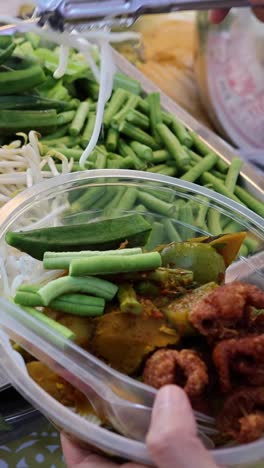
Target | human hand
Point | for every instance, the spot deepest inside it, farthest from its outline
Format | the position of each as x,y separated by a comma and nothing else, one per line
172,439
217,16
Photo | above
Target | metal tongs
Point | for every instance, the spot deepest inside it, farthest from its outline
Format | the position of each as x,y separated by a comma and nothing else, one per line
123,402
67,14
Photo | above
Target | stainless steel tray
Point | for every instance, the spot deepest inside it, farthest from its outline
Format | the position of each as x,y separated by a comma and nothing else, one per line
251,179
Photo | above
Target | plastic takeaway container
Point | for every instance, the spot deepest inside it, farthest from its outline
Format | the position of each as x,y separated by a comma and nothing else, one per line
179,209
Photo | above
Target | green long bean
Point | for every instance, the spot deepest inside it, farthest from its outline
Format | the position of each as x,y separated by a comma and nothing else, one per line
204,165
68,284
233,173
250,200
155,204
173,145
79,119
111,264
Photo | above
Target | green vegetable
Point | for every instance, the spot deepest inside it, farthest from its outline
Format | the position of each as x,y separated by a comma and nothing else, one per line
202,259
88,130
154,114
181,133
61,329
79,119
79,304
142,151
137,134
62,260
233,173
112,138
128,299
122,81
68,284
173,145
138,119
17,120
31,101
16,81
110,264
116,102
156,236
204,165
6,53
250,201
98,235
155,204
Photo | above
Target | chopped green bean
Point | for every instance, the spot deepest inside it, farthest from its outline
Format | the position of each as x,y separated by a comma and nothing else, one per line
142,151
128,199
126,150
173,145
85,201
204,165
218,185
114,264
181,133
156,236
163,169
155,204
100,161
88,130
112,138
79,119
119,97
160,156
214,222
171,231
233,173
122,114
155,114
61,329
137,134
62,260
68,284
138,119
127,83
79,304
249,200
65,117
186,222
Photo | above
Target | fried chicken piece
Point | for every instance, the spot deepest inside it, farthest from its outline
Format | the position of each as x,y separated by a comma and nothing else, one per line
226,312
184,368
242,416
240,357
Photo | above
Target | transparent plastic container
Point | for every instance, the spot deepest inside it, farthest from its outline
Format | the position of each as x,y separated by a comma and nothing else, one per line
191,210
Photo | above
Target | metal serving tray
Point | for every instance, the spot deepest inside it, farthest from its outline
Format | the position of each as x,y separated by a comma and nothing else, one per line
252,181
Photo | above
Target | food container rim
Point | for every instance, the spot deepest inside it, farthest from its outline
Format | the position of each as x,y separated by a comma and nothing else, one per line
21,200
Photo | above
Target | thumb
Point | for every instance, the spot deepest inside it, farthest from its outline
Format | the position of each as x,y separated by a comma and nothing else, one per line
172,439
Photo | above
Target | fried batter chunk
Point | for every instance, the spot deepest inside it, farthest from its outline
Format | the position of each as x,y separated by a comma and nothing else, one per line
240,358
226,312
242,416
184,368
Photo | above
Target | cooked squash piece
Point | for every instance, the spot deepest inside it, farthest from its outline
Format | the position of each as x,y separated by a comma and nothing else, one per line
55,385
82,327
123,340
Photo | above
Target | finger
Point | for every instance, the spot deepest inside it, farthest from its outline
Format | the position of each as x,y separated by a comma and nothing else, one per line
216,16
172,440
75,456
259,13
